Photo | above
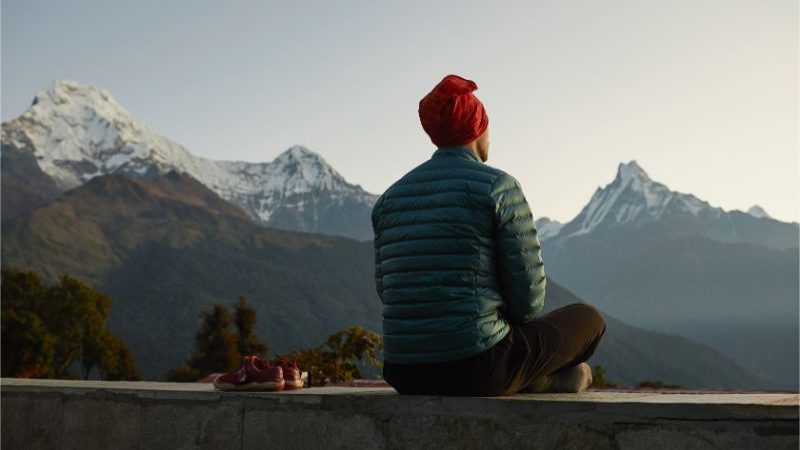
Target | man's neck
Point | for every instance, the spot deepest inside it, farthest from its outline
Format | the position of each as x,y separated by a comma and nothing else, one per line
478,150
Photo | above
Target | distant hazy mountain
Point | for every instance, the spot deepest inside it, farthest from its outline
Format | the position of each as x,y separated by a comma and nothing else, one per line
166,248
631,355
547,228
78,132
672,262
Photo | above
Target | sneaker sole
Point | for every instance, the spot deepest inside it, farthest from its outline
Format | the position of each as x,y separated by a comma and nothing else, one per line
291,385
266,386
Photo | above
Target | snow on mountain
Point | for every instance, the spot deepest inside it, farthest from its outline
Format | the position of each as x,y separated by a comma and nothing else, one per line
758,212
547,228
78,132
633,198
633,202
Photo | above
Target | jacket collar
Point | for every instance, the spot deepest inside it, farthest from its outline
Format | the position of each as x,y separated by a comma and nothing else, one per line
457,151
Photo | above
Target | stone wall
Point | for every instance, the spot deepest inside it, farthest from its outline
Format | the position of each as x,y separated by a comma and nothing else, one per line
121,415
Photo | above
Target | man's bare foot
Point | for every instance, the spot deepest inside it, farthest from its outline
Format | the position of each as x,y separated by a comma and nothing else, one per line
572,380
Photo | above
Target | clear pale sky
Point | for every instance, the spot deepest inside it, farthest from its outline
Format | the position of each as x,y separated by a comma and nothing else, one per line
703,94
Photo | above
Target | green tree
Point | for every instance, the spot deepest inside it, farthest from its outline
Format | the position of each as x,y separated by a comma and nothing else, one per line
216,347
48,330
245,318
339,358
21,288
28,347
113,359
78,314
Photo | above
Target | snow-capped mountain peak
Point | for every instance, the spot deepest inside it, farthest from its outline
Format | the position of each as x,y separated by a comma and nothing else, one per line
632,172
298,152
77,132
311,167
633,198
67,92
759,212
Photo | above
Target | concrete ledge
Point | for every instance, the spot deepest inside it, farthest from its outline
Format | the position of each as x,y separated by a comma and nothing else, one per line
91,414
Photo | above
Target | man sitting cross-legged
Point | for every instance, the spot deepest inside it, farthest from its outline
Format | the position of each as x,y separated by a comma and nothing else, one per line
459,270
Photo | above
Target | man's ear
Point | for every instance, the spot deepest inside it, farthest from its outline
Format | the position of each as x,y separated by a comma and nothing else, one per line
482,146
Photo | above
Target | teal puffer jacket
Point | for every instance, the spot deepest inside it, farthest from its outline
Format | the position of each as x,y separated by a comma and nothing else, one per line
457,259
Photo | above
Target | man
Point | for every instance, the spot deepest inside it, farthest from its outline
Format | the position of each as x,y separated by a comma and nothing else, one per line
458,268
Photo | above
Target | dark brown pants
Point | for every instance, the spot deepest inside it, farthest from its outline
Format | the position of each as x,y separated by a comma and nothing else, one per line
560,339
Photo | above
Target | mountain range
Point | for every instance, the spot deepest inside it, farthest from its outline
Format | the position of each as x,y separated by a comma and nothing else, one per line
633,201
90,191
669,261
165,248
76,132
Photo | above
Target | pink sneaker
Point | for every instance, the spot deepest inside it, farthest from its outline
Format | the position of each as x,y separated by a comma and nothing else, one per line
291,373
255,374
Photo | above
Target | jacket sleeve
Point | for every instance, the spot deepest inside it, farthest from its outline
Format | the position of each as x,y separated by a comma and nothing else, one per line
520,268
378,272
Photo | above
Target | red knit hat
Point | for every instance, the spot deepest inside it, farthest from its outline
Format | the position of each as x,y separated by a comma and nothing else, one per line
451,114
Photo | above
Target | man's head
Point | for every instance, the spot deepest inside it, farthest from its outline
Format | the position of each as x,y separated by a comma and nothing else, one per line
453,116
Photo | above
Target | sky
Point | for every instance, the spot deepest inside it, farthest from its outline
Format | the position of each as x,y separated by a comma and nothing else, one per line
703,94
